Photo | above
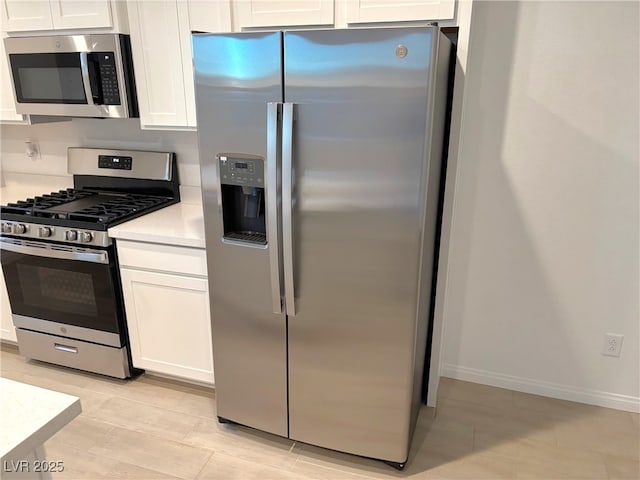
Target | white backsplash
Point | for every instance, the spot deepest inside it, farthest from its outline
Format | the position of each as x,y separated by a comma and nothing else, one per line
54,138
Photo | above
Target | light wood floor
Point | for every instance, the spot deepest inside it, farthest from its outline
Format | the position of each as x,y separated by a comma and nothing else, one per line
156,429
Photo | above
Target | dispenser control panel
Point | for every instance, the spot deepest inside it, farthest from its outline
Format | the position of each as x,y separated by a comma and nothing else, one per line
241,171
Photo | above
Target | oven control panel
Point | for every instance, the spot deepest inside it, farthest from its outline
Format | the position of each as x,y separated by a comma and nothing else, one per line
119,162
57,234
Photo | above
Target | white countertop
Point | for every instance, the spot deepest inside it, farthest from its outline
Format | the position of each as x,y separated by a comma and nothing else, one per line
30,415
181,224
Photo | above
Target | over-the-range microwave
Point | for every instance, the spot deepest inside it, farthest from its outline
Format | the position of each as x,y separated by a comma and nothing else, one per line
73,75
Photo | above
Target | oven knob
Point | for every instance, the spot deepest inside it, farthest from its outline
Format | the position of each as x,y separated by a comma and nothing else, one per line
19,228
45,231
86,237
71,235
6,228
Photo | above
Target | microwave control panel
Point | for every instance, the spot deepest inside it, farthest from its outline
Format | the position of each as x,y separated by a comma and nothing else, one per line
108,78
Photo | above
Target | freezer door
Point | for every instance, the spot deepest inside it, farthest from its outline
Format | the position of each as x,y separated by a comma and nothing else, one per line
238,80
359,167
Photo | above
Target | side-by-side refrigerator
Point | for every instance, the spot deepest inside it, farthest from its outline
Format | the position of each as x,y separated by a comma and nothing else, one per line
320,155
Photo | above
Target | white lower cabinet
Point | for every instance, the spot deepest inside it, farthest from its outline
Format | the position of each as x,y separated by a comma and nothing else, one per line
167,312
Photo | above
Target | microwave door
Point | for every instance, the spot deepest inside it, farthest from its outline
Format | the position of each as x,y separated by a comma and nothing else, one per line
49,78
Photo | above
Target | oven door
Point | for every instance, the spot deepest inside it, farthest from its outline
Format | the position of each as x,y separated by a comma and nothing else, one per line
63,290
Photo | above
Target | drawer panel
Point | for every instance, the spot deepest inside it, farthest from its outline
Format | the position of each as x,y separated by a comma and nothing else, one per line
164,258
90,357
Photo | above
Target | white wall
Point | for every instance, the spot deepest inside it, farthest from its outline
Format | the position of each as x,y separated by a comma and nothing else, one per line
54,138
543,255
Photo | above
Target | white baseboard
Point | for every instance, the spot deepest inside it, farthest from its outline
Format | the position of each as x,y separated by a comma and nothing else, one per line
546,389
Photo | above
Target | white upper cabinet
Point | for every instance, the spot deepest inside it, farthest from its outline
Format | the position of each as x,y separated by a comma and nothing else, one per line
371,11
161,48
7,105
156,44
207,16
161,39
18,15
43,15
81,14
279,13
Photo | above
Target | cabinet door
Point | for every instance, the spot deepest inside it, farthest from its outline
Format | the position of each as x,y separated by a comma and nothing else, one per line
7,105
276,13
19,16
169,323
81,13
362,11
156,44
7,330
209,16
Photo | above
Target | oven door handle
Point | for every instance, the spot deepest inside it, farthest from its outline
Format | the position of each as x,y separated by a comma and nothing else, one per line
83,256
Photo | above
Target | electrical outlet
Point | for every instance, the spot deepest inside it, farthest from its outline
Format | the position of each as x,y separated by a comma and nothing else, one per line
32,150
612,344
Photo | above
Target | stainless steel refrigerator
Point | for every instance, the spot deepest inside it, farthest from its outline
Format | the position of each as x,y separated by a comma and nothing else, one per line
320,155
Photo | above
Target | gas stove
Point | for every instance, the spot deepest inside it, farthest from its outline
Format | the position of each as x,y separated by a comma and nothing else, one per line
60,266
82,215
76,216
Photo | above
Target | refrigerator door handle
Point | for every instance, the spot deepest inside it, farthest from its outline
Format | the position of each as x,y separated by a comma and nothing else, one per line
287,207
272,194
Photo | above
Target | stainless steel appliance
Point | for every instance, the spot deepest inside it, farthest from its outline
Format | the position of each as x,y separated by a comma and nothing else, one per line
320,157
73,75
60,264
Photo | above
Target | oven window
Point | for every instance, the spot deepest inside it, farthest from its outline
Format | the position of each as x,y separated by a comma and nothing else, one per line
65,292
48,78
71,292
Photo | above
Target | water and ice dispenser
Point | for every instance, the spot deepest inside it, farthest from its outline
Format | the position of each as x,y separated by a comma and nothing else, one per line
243,196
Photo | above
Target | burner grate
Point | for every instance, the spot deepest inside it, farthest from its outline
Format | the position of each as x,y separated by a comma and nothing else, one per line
91,207
117,208
34,206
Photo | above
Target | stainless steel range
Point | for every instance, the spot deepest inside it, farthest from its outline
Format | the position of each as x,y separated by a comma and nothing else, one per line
60,264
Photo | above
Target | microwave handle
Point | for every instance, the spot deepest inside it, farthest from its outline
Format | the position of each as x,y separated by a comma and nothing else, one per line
86,78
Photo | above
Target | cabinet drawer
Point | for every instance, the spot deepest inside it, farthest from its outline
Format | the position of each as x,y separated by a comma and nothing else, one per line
164,258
